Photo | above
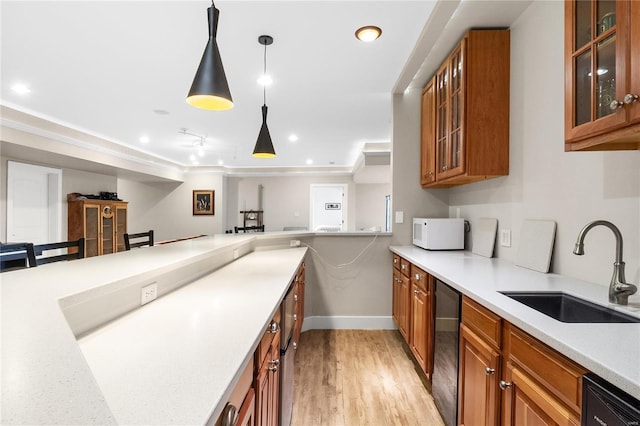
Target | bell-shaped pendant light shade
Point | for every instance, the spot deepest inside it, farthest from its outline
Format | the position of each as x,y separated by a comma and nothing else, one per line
210,89
264,146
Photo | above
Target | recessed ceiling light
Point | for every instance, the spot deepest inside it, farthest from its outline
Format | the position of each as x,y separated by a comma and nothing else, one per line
144,139
368,33
161,112
265,80
192,157
220,162
309,161
293,138
21,89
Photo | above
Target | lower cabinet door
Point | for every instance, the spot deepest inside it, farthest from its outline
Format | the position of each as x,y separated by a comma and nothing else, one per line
263,389
419,341
529,404
478,398
247,413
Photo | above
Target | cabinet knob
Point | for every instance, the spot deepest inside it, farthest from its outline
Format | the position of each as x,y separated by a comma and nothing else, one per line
295,346
417,277
630,98
229,415
416,291
615,104
273,368
295,297
273,327
395,260
403,266
295,317
490,371
274,362
504,385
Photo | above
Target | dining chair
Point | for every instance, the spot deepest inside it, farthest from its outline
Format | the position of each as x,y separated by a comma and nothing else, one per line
147,240
43,259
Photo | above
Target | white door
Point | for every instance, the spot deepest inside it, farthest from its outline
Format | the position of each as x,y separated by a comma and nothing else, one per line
33,203
328,207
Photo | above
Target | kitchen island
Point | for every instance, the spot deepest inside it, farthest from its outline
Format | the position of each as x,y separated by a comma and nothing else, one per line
77,348
611,350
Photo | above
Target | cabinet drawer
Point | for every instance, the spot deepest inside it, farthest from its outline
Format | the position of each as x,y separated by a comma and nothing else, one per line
558,374
420,278
405,267
265,343
396,262
482,321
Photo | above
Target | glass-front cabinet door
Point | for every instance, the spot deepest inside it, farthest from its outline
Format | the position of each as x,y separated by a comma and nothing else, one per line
450,113
596,44
92,230
121,227
108,230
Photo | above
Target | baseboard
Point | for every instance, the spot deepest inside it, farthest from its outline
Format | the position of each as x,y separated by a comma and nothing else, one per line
348,323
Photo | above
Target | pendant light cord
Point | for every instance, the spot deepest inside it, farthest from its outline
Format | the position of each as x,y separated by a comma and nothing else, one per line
264,74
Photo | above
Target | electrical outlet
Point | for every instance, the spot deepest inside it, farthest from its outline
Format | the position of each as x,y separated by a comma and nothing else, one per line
505,237
148,293
294,243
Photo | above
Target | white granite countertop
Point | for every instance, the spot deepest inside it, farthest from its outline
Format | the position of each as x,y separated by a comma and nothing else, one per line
612,351
46,377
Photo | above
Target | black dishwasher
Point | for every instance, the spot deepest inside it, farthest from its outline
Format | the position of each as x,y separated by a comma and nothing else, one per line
605,405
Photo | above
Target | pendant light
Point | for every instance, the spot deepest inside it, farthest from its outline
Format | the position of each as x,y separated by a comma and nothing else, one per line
210,89
264,146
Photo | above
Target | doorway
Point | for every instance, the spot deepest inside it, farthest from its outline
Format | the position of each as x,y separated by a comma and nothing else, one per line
34,207
328,207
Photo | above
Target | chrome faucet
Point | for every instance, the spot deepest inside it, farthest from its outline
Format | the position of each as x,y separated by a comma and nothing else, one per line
619,290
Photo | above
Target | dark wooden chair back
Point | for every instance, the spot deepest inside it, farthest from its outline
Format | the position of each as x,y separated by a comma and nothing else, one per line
16,256
147,240
75,250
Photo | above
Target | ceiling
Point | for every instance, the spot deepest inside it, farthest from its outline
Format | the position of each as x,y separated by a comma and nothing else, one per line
120,70
113,71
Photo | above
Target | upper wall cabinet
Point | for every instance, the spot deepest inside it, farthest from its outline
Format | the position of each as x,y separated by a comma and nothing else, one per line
602,75
468,103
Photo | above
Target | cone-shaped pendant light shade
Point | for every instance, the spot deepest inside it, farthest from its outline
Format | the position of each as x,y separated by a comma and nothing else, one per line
210,89
264,146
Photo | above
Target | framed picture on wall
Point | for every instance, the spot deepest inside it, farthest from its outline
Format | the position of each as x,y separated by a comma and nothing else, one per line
203,201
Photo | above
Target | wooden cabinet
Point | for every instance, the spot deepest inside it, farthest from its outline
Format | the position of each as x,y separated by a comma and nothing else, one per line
468,102
102,223
421,329
602,75
241,405
401,296
412,310
539,382
428,134
298,297
508,377
267,377
479,371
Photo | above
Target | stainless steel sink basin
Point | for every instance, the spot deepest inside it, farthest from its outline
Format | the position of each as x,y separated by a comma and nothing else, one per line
566,308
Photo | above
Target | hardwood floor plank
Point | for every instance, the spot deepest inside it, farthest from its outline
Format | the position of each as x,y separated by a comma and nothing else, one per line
358,377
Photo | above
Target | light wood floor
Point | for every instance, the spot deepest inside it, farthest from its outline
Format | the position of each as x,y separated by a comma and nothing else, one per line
358,377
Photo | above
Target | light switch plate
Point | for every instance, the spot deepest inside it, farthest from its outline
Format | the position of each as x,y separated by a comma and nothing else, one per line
505,237
399,217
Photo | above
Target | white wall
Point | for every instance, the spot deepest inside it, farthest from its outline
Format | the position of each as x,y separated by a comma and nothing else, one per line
408,196
286,199
544,181
167,207
370,205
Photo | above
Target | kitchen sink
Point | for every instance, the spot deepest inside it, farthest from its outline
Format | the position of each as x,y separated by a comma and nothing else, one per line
566,308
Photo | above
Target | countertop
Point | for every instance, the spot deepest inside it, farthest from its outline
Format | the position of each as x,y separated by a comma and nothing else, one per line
612,351
51,377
